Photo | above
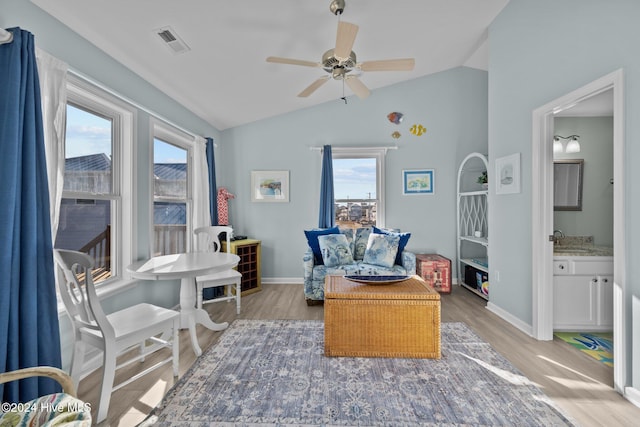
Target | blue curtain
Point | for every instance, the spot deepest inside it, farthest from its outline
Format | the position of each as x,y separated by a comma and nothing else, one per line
29,332
213,188
327,207
209,293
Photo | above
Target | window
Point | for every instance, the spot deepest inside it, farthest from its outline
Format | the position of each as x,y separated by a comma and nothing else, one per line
171,191
91,218
358,180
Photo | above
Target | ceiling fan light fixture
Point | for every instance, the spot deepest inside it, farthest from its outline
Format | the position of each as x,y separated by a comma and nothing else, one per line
338,73
331,61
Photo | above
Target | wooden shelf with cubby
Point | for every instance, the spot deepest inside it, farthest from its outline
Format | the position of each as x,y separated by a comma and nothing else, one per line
249,251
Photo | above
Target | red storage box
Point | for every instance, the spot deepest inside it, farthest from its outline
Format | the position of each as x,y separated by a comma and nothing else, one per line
435,270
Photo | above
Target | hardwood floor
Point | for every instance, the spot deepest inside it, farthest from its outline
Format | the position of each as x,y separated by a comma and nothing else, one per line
580,385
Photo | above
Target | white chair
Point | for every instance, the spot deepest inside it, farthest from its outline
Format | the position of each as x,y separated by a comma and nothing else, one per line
208,240
113,333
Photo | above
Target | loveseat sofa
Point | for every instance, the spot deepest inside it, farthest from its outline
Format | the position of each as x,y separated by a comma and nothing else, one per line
367,256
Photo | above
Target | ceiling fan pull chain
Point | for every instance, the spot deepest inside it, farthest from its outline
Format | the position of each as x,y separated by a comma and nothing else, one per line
344,98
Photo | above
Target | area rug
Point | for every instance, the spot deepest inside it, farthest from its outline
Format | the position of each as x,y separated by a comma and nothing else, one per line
595,344
274,373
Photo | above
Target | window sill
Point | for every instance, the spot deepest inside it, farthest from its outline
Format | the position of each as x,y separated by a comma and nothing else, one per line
105,291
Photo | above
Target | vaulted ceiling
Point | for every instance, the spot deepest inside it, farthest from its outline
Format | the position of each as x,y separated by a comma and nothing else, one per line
224,78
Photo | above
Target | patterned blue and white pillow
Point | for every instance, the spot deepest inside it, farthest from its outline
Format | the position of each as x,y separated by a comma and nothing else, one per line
349,233
404,239
360,242
335,250
381,250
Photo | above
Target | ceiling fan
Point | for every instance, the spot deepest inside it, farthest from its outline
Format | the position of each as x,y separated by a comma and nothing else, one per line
341,60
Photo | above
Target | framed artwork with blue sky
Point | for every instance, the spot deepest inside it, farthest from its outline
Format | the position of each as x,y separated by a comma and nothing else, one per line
418,181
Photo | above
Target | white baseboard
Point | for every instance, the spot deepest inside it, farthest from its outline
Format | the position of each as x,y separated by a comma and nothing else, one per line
527,329
632,395
283,280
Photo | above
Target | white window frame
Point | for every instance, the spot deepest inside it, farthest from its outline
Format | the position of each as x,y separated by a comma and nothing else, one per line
366,153
95,100
170,134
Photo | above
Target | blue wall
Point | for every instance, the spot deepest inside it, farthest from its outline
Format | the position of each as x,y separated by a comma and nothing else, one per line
451,105
540,51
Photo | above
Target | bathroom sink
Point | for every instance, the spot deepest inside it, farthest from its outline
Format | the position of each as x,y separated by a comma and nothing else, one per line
571,251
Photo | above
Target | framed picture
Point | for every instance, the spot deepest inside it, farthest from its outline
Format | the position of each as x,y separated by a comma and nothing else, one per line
418,181
508,174
269,186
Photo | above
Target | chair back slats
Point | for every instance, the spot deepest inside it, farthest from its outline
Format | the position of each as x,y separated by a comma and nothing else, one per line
209,240
80,300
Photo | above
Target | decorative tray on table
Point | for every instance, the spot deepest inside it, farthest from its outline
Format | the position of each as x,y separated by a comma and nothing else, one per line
375,280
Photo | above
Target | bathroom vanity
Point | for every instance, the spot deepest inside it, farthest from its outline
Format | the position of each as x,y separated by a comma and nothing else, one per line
583,288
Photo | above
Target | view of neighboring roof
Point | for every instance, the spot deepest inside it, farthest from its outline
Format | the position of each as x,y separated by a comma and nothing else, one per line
91,162
169,171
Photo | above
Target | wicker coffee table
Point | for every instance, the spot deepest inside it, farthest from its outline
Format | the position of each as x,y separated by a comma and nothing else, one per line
392,320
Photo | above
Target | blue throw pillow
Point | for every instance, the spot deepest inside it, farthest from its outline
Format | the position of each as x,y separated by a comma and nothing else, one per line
404,239
312,240
381,250
335,249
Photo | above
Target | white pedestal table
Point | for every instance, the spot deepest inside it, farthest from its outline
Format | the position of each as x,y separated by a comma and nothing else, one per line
186,267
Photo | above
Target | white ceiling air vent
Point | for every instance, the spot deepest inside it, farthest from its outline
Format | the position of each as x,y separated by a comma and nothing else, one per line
172,40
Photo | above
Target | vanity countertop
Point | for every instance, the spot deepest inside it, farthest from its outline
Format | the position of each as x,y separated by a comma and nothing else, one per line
586,250
579,246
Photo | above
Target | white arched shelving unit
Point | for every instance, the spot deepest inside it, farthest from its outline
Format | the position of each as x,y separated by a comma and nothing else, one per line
472,226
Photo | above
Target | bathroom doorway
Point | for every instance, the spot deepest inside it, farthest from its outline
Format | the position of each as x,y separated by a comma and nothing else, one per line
543,222
583,226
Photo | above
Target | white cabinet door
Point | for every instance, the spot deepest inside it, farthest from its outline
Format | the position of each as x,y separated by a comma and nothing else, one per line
605,301
574,301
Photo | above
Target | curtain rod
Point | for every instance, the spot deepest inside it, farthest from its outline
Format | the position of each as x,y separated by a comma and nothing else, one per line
393,147
5,36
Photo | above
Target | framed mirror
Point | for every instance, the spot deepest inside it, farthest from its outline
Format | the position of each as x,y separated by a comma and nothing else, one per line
567,184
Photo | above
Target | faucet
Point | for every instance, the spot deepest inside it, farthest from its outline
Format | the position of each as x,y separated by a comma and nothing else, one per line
560,233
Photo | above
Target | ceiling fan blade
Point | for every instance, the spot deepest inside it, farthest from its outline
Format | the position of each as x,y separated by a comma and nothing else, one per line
313,87
389,65
278,60
344,39
357,87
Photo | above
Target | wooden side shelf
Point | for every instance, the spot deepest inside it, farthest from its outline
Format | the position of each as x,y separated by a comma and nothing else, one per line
249,251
